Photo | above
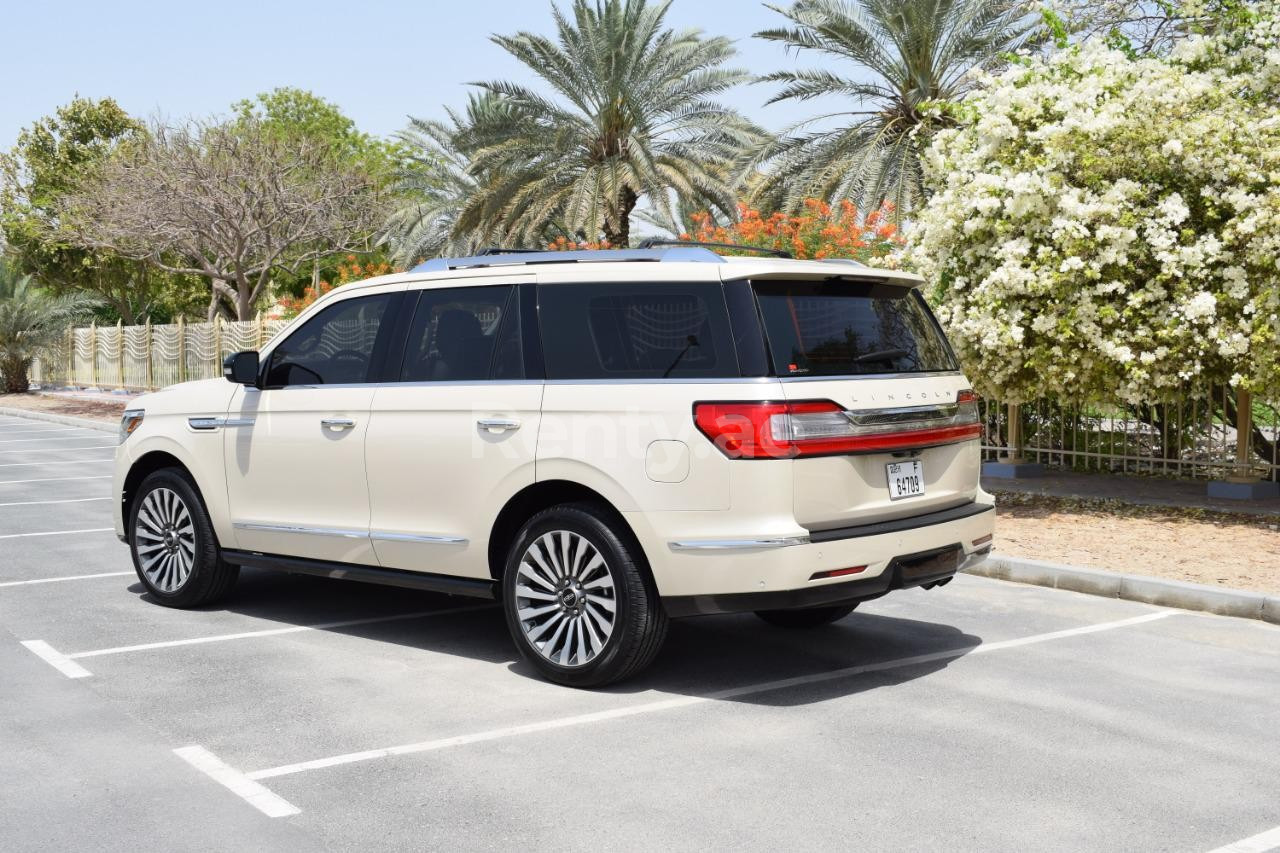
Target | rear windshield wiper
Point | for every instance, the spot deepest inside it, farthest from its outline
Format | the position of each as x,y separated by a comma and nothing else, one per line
881,355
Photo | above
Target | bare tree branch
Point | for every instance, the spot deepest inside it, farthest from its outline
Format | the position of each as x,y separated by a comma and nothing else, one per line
226,201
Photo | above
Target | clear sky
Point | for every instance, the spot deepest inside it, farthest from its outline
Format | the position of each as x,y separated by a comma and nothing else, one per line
380,61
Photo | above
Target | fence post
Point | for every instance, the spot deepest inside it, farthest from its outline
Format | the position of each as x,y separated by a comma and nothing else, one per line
1013,453
69,377
93,352
262,329
217,342
120,349
1244,429
182,348
147,376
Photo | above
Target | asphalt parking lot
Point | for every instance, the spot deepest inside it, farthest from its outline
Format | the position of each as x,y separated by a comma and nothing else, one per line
316,714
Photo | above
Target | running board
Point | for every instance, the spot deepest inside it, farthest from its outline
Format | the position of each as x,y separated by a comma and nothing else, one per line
448,584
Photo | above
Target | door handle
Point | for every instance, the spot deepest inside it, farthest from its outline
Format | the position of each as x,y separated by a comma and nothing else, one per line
337,423
497,424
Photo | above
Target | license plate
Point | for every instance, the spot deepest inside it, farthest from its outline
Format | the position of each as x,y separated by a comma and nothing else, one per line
906,480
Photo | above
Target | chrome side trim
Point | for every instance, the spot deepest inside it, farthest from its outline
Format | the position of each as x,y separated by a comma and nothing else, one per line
429,539
854,377
739,544
674,380
293,528
205,424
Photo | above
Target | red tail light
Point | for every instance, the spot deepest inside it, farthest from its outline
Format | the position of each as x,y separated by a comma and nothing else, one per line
768,430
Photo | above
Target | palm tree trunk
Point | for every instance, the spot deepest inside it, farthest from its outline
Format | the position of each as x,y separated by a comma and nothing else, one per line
14,369
617,229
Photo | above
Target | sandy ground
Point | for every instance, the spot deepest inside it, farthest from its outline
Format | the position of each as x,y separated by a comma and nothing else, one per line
1238,554
98,410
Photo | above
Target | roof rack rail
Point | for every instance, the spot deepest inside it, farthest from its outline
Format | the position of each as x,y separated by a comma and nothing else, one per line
523,257
658,242
499,250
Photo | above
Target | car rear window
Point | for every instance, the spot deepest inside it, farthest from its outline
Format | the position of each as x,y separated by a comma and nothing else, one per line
635,330
843,328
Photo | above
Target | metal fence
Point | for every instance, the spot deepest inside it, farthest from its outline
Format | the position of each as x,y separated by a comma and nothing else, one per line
144,358
1191,436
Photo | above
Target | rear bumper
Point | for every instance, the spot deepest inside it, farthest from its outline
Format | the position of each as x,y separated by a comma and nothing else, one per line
776,570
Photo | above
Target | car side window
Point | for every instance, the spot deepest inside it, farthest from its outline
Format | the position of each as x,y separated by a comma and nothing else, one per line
335,347
635,330
464,334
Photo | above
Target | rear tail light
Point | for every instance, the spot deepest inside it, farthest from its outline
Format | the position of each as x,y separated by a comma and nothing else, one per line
768,430
837,573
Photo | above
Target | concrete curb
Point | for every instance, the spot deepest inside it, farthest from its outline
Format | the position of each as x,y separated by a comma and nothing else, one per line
1166,593
65,420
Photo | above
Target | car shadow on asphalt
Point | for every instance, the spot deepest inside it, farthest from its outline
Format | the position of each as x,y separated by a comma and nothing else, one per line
703,656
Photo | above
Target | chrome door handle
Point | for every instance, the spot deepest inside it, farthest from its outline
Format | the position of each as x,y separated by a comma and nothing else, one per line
497,424
337,423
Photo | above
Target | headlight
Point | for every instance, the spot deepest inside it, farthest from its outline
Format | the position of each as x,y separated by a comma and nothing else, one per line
129,421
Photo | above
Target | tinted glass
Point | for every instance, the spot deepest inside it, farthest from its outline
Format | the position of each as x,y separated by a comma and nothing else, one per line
635,331
850,328
459,334
335,347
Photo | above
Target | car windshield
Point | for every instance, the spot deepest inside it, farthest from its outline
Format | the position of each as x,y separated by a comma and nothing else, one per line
841,328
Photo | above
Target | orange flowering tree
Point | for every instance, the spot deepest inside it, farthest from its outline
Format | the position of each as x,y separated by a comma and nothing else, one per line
819,232
352,270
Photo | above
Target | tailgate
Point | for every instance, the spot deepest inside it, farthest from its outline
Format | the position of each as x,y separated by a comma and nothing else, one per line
870,383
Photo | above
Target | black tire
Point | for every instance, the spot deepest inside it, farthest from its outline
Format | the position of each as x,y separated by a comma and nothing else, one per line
639,621
806,617
208,577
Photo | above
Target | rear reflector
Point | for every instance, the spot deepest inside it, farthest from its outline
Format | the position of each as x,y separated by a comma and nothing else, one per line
768,430
982,541
835,573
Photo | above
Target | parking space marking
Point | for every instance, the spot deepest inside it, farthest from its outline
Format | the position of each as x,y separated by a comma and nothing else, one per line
54,438
65,578
65,501
63,449
272,632
53,479
1260,843
15,429
271,805
59,532
56,659
685,701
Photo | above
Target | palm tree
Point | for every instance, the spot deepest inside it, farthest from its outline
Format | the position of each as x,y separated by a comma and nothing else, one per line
437,184
911,52
630,115
30,323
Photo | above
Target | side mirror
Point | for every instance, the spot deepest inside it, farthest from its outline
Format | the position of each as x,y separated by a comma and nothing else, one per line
241,367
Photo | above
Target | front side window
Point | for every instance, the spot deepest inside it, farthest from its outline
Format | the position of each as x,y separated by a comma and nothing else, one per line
636,330
464,334
335,347
848,328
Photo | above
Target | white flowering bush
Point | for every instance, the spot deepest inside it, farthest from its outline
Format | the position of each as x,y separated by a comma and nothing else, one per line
1108,227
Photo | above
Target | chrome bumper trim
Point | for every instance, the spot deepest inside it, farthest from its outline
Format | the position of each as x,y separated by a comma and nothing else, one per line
739,544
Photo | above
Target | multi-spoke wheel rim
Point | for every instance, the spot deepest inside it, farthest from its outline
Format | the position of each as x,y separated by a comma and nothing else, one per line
565,598
165,539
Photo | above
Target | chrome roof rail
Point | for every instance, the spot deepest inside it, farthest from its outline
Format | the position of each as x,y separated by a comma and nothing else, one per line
687,254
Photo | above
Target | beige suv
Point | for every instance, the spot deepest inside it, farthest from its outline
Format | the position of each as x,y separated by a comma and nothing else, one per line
601,440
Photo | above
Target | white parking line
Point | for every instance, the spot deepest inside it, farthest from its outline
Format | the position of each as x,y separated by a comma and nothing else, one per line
54,438
685,701
56,659
67,501
21,429
63,449
54,479
58,532
271,805
1260,843
65,578
272,632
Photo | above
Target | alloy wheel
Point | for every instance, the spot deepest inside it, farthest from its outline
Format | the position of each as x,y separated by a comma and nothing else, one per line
165,538
566,599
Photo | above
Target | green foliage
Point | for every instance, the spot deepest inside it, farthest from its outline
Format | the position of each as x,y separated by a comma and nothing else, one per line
30,322
50,157
906,54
